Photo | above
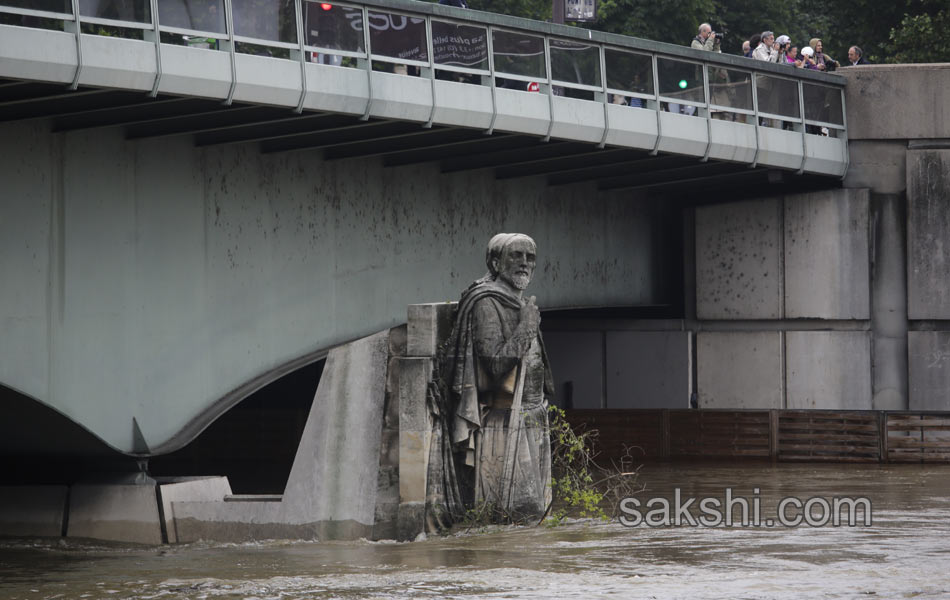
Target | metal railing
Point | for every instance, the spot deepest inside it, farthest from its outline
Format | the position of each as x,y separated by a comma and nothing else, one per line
439,42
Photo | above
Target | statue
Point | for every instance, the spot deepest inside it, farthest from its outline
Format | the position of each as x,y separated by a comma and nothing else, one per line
496,382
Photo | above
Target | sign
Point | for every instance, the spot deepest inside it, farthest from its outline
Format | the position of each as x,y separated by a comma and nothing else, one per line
580,10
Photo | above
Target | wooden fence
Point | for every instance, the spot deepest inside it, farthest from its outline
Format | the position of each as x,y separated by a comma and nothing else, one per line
786,435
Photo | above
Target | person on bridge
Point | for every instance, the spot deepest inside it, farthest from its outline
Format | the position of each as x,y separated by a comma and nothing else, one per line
768,49
498,380
706,40
856,57
822,60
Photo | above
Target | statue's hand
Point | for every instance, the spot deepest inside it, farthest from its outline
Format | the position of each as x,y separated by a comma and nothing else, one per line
530,317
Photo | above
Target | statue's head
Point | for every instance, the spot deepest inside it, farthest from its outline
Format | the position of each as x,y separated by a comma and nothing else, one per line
511,258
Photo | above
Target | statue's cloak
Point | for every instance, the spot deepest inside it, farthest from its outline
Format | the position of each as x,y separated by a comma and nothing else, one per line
458,361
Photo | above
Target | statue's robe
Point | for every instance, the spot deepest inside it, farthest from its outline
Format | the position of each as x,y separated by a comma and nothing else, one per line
480,368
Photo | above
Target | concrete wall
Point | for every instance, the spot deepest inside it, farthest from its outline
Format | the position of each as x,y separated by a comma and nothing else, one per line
861,297
152,279
899,131
611,367
898,102
770,273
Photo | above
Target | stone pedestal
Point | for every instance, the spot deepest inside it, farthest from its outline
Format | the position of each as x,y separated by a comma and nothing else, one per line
428,326
120,512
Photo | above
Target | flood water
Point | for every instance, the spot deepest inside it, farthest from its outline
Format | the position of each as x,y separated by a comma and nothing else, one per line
904,553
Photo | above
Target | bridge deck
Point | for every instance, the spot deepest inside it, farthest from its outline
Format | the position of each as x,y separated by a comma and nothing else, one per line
446,77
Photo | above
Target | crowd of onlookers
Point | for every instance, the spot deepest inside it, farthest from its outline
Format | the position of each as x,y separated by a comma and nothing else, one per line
766,47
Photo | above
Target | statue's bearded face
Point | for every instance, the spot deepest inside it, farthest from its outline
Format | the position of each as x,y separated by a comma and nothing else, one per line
517,263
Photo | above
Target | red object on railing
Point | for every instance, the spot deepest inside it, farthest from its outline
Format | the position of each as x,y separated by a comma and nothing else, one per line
326,6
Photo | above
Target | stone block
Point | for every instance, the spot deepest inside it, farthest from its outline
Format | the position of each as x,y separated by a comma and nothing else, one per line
880,166
929,370
335,472
411,521
32,510
739,260
912,101
828,370
928,234
577,362
122,513
740,369
648,369
827,272
428,325
415,434
189,489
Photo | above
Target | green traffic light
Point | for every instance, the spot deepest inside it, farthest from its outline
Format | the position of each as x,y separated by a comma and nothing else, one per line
682,84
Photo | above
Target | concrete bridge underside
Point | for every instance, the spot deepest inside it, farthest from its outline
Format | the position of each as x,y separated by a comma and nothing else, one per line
169,256
166,254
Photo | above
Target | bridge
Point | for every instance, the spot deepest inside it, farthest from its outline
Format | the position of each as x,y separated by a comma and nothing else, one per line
209,195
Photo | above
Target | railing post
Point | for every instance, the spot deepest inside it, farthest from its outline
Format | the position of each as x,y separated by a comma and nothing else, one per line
430,49
547,71
490,45
603,86
301,45
801,114
656,94
157,32
229,23
708,112
368,64
758,121
77,23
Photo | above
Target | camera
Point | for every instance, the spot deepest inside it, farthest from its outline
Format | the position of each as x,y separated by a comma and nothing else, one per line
830,65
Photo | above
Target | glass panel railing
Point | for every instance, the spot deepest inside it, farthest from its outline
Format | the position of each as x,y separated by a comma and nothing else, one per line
729,88
777,96
270,20
194,15
56,6
136,11
518,54
629,72
455,45
823,103
572,62
398,36
681,80
333,27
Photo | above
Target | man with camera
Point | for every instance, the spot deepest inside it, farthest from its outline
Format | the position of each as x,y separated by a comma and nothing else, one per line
768,49
707,39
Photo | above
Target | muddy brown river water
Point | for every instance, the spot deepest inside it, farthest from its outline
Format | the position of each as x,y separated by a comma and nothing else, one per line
903,553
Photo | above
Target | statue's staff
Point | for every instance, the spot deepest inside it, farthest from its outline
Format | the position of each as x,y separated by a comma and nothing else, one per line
514,432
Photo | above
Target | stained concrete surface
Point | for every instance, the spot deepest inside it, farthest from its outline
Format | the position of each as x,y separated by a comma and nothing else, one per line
928,234
828,369
929,370
739,260
740,369
826,255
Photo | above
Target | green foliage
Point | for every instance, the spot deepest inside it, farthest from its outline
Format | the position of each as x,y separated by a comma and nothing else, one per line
572,466
673,21
580,487
920,37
